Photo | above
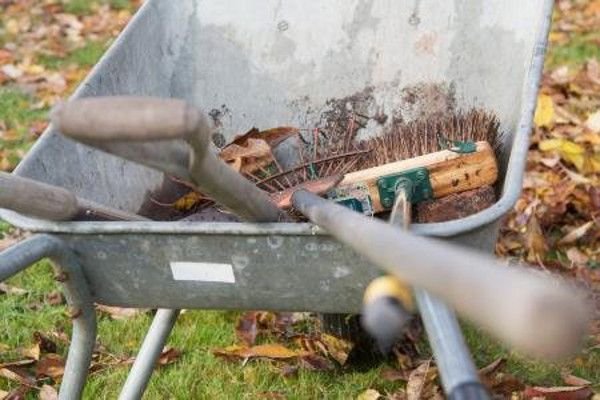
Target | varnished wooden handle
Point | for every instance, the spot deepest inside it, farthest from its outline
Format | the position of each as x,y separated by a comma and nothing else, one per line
535,313
30,197
126,118
449,172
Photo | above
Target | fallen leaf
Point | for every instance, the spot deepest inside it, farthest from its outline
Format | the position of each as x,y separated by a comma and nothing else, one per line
189,201
394,375
19,393
50,365
17,375
573,380
419,380
168,356
593,122
568,150
32,352
535,242
493,366
12,290
119,313
47,392
246,328
316,363
273,351
252,156
55,298
576,233
577,257
272,136
559,392
338,349
369,394
544,113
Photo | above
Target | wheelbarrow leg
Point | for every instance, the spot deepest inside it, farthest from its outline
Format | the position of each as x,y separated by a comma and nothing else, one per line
150,351
83,314
81,305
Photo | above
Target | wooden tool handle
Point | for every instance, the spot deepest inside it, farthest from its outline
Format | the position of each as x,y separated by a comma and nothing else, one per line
534,313
31,197
142,119
127,118
449,172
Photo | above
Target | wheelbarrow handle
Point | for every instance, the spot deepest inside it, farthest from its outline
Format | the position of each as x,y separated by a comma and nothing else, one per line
534,313
145,119
25,253
38,199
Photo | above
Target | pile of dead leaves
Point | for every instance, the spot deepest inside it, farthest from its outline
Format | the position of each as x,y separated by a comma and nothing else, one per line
45,52
556,222
295,342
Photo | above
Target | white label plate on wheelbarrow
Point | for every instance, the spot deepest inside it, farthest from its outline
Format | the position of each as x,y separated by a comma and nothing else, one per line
202,272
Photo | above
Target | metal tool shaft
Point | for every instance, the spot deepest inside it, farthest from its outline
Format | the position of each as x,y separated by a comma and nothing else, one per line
534,313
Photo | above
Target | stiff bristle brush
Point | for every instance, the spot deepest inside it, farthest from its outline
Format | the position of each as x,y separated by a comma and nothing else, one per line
534,313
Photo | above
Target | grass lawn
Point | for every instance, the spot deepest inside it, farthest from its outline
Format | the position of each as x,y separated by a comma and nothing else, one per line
197,373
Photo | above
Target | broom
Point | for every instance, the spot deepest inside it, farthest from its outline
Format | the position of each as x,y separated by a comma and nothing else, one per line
480,293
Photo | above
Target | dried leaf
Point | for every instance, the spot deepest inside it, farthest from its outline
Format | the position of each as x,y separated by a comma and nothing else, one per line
47,392
544,113
33,352
17,375
535,242
559,392
119,313
50,365
576,233
189,201
316,363
419,381
255,154
369,394
338,349
246,328
493,366
12,290
55,298
593,122
168,356
573,380
577,257
272,136
273,351
568,150
394,375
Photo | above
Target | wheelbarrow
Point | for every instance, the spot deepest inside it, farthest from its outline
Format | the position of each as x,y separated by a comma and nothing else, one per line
265,65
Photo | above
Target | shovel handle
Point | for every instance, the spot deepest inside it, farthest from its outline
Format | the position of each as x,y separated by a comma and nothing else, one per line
535,313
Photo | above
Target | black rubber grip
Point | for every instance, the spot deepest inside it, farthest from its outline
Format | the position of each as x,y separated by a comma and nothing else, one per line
469,391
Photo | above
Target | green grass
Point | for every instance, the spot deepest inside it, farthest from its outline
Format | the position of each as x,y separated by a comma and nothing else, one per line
577,50
87,7
86,56
16,114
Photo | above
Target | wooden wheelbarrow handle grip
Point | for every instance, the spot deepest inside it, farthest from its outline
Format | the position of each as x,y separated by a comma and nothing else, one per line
534,313
143,119
41,200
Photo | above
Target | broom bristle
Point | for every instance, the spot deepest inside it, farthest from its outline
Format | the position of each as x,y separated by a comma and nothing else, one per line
423,136
334,150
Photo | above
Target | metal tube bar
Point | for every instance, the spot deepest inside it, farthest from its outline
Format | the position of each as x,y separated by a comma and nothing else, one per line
150,351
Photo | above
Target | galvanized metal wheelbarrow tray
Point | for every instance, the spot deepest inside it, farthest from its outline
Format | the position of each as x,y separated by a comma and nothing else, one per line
265,65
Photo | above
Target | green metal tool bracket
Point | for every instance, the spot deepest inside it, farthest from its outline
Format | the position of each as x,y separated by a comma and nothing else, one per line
415,181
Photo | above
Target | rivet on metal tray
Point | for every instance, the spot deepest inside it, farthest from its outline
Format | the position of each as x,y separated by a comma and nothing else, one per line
283,25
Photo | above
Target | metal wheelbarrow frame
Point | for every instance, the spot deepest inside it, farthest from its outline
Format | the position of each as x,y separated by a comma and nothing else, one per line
166,51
